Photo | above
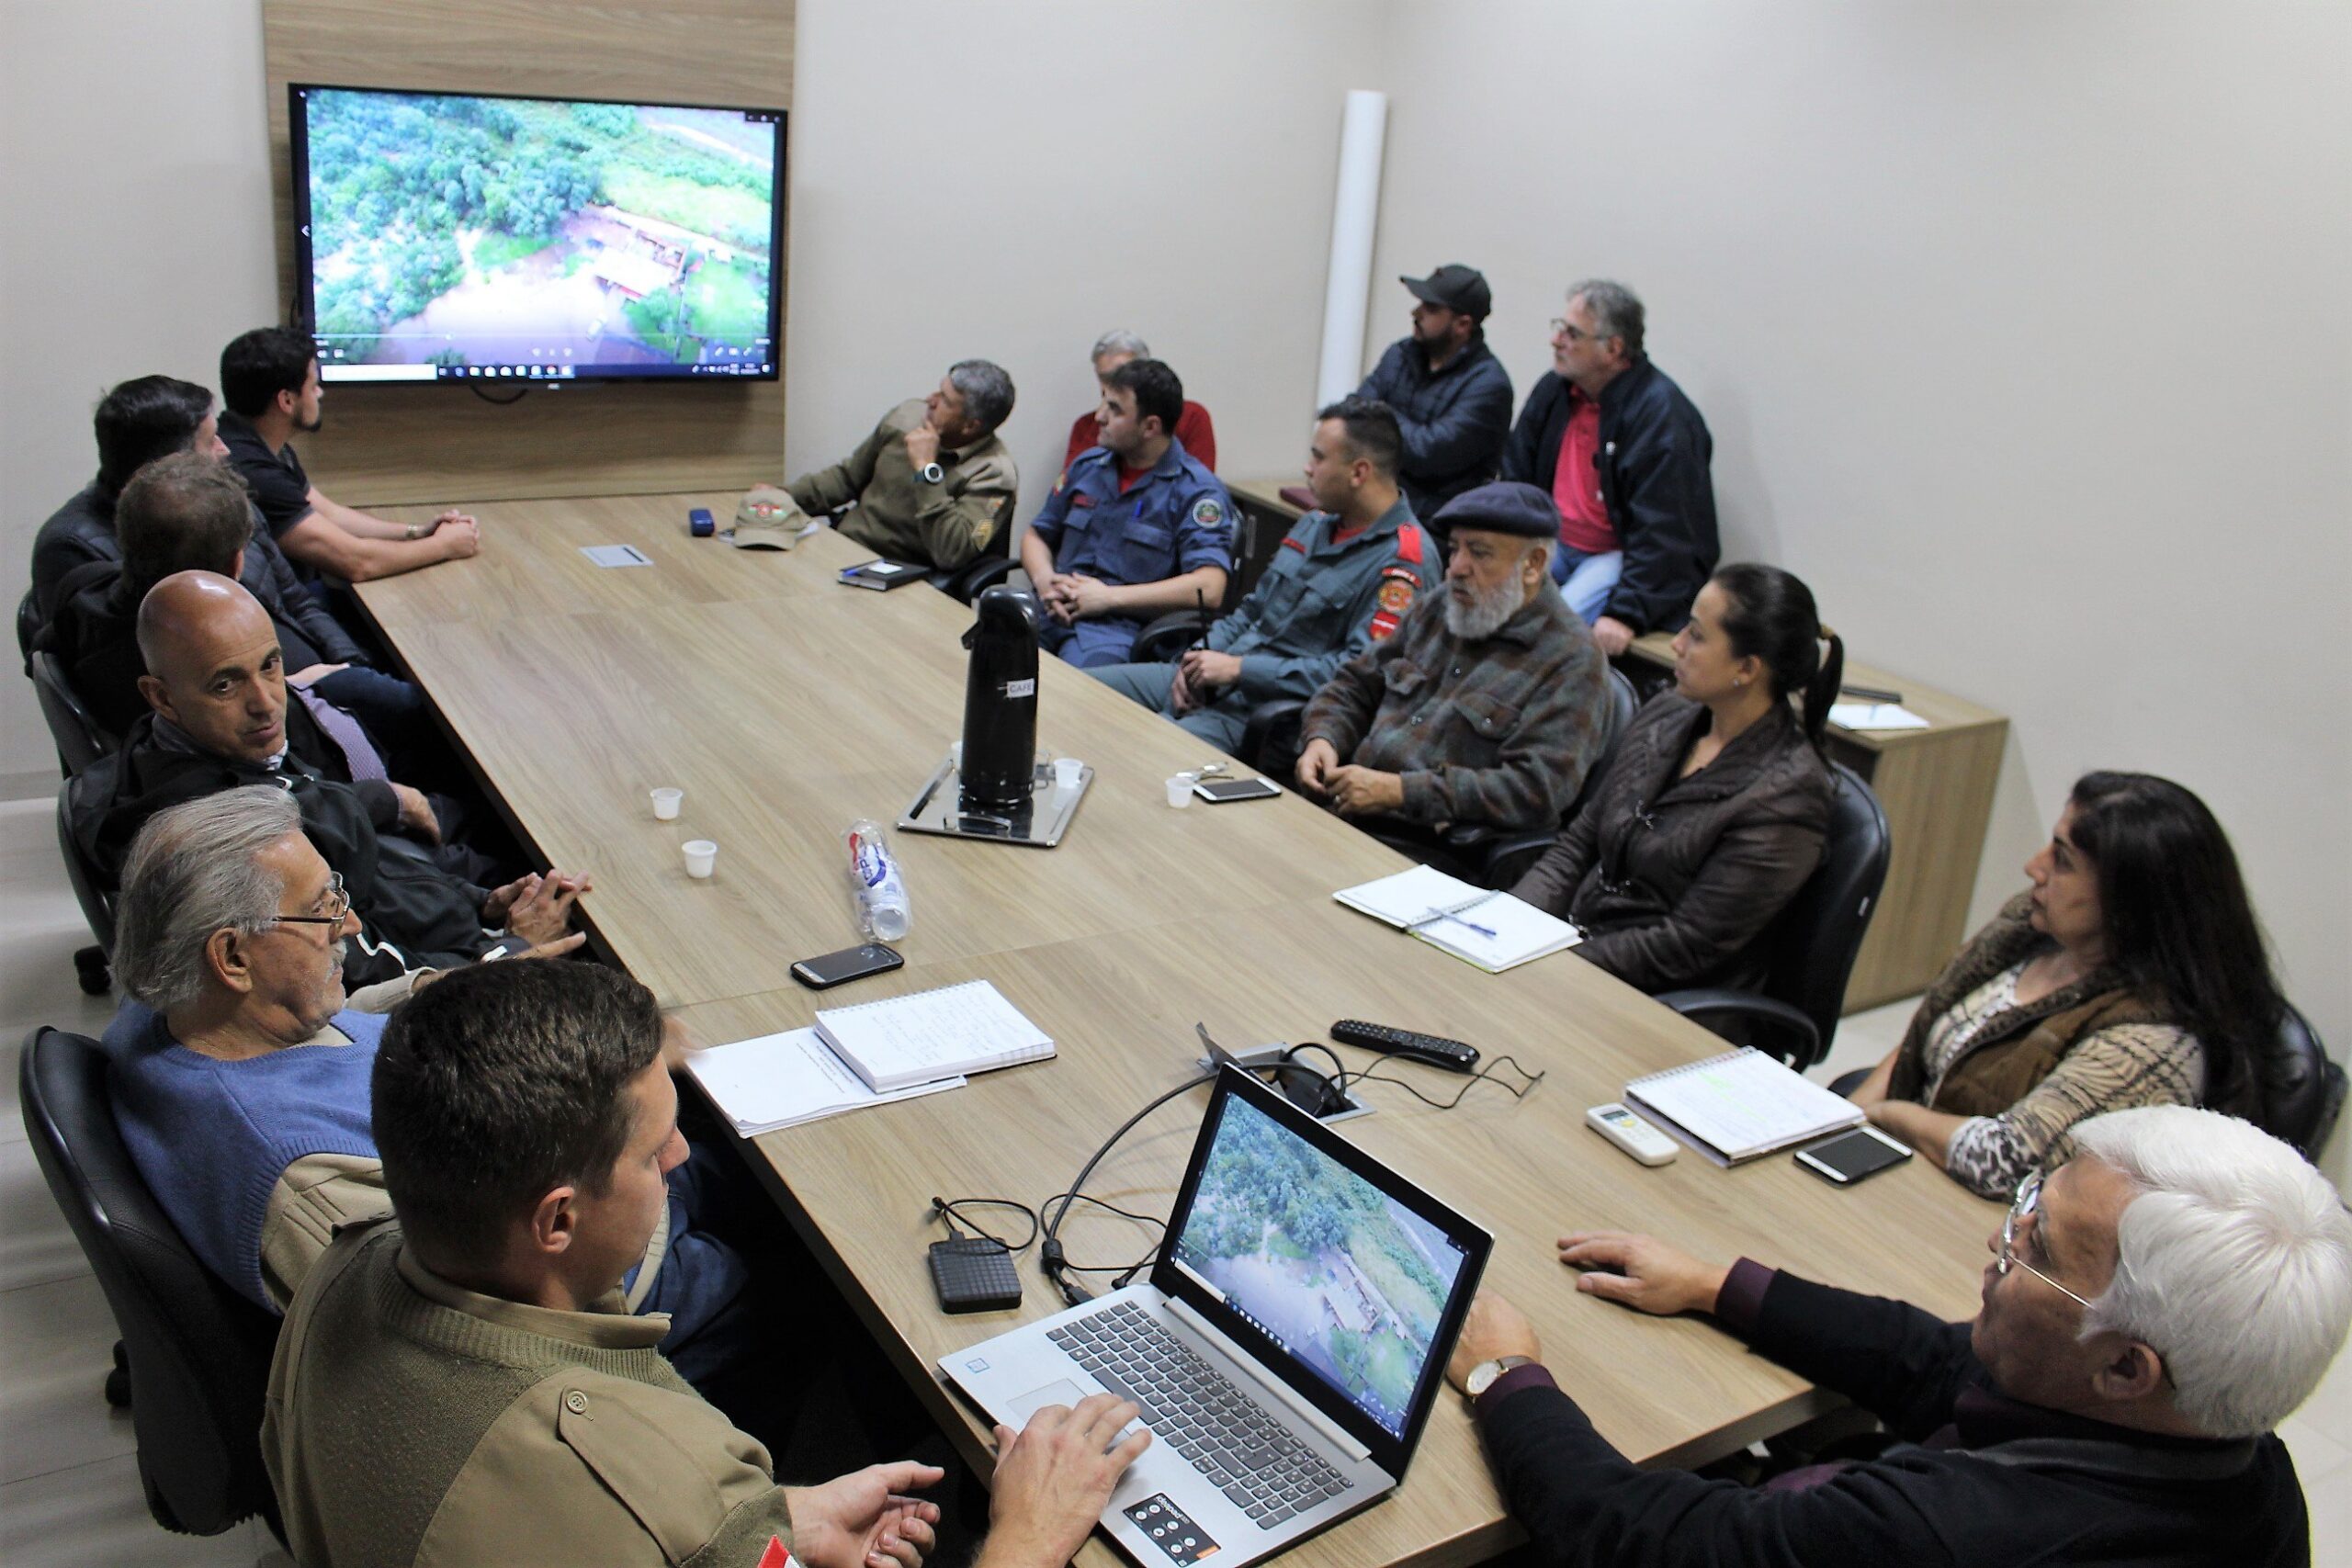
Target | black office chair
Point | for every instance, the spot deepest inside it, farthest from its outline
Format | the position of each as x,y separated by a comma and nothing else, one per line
1811,947
990,567
91,890
197,1354
28,627
2301,1090
80,738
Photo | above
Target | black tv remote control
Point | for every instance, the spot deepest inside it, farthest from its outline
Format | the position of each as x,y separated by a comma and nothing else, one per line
1450,1054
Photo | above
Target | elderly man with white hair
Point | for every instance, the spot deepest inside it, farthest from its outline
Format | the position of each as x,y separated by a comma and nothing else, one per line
2153,1308
240,1071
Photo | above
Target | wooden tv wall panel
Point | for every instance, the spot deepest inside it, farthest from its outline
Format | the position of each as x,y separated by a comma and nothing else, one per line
387,445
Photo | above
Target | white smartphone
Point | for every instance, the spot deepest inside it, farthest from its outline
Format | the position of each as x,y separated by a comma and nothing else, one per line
1850,1157
1220,791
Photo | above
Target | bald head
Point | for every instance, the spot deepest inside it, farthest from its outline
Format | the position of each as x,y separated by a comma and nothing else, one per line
213,665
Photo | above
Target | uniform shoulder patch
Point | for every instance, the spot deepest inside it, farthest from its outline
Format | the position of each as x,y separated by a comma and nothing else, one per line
1409,545
1290,542
1062,483
1209,512
1384,622
1396,593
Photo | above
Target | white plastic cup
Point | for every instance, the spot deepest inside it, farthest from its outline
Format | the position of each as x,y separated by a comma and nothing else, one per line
1066,772
702,855
665,804
1180,790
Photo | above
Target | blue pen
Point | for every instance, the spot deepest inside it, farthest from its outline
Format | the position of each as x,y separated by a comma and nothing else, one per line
1455,915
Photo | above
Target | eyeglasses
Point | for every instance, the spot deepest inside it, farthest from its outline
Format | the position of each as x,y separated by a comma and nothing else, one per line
2028,1199
337,906
1561,327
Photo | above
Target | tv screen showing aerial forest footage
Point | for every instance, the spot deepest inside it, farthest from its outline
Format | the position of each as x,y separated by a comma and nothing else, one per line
443,238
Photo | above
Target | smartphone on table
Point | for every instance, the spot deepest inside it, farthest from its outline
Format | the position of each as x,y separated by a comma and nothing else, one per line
1851,1156
849,964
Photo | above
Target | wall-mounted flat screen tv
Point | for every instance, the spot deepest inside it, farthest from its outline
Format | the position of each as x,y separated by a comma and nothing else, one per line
446,238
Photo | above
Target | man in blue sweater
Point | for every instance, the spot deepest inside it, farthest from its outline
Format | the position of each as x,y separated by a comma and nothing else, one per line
240,1069
2152,1310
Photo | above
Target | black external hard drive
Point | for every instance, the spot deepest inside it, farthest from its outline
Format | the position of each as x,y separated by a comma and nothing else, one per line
973,1273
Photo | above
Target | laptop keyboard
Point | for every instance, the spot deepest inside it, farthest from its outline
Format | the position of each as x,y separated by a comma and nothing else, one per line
1244,1450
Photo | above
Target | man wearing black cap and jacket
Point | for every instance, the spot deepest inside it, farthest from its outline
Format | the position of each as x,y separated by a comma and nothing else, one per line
1450,394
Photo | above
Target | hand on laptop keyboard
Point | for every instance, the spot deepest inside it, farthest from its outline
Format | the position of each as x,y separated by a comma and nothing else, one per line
1054,1479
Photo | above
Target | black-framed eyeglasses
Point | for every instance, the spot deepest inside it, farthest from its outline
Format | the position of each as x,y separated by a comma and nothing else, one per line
338,905
2029,1200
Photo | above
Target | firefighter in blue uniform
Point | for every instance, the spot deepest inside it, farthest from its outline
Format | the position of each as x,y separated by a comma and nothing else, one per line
1135,528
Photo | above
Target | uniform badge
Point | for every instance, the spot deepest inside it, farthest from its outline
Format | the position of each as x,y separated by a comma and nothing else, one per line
1061,481
1207,512
1396,595
777,1555
1384,621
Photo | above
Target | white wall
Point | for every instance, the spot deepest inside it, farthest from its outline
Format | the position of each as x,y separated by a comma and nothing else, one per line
2021,330
1010,181
2024,336
137,184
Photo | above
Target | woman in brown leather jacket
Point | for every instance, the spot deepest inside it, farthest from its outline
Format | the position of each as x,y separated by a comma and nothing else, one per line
1712,813
2133,973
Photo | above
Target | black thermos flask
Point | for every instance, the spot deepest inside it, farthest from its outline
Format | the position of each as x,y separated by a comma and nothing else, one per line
1000,702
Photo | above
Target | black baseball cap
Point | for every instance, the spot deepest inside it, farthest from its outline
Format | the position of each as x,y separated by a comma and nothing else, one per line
1456,287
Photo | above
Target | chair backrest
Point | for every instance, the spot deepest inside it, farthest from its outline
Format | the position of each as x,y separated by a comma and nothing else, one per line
90,888
199,1353
27,627
1814,940
80,738
2301,1090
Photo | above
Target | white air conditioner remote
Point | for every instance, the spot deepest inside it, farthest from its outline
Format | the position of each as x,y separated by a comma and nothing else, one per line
1631,1134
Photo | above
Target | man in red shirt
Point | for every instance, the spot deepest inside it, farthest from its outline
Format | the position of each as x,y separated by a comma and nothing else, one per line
1192,431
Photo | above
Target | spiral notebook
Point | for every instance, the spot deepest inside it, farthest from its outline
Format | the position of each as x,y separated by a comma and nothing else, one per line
914,1039
1493,930
1741,1105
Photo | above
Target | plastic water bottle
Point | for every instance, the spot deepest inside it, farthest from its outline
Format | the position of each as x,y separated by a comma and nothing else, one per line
881,891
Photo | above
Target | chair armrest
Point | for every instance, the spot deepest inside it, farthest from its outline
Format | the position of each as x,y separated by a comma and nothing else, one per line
1508,856
1162,641
965,582
1270,737
1701,1005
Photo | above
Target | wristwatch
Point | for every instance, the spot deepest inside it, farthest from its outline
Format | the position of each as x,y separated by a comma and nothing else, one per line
930,473
1482,1376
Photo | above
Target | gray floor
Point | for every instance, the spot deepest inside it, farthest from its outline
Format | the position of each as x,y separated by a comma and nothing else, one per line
69,1486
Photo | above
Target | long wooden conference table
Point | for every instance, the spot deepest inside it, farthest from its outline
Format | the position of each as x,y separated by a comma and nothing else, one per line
786,705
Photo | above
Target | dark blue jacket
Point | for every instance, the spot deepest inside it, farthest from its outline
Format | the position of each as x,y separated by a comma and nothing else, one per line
1454,419
1653,460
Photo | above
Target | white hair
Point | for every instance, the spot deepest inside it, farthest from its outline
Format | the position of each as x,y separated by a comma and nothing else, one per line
194,870
2234,1262
1118,340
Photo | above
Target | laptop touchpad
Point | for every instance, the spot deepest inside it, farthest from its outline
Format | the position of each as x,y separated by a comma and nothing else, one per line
1064,1392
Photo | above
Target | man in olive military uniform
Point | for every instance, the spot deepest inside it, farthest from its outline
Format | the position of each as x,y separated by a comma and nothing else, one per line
1135,528
1485,706
464,1383
1343,580
933,484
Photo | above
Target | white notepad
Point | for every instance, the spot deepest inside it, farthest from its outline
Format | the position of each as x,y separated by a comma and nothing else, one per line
783,1080
1741,1104
1448,913
914,1039
1875,716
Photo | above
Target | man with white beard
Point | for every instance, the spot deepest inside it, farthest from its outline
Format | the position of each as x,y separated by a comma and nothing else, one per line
1486,706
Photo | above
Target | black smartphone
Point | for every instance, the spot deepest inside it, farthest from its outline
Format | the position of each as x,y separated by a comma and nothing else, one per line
849,964
1850,1157
1218,792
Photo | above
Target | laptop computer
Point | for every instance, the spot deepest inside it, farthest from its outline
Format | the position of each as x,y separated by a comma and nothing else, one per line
1286,1352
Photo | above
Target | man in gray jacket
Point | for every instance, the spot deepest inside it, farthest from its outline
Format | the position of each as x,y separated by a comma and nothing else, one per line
1485,707
1452,396
1342,580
